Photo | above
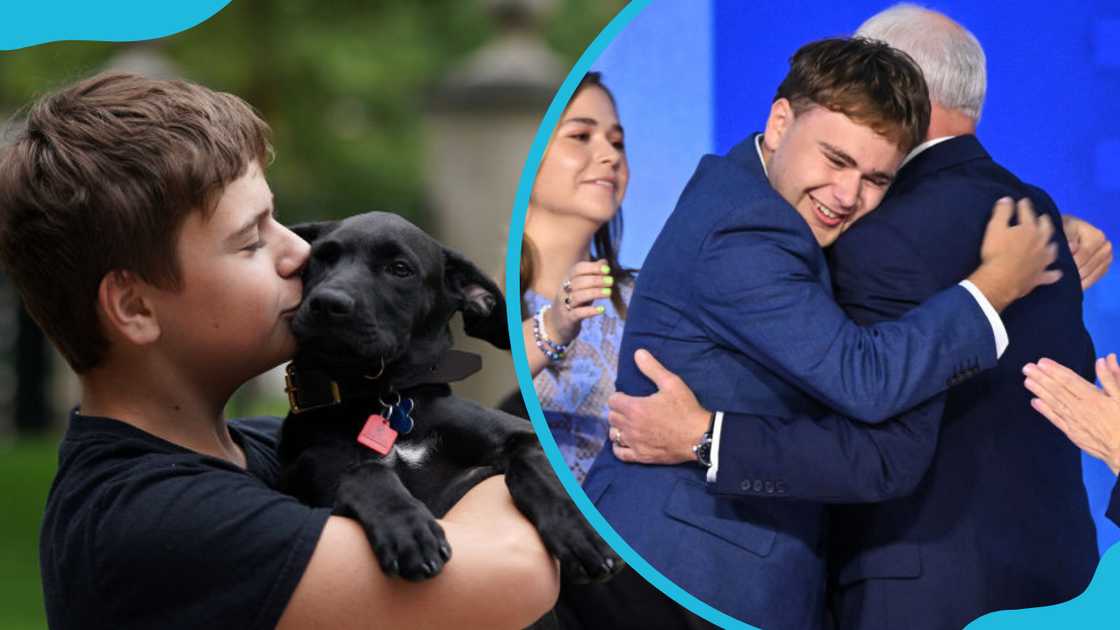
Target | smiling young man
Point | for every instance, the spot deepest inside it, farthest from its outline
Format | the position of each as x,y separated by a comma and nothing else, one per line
735,296
831,170
137,224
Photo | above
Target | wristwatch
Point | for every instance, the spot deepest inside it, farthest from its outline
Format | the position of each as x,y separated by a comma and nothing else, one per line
703,449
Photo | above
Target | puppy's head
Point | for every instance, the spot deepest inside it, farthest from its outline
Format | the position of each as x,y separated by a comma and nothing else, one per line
378,289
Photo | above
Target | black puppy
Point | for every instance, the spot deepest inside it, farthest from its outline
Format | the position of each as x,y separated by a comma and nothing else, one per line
375,431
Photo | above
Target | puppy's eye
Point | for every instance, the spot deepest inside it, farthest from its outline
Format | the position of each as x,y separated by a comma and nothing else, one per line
399,269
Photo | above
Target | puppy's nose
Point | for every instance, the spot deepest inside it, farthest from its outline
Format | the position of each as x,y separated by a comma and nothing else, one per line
331,305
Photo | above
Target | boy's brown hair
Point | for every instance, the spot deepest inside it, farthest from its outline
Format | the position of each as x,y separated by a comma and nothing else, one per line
100,179
864,79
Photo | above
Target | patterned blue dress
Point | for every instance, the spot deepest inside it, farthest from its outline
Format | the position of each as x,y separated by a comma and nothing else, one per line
574,391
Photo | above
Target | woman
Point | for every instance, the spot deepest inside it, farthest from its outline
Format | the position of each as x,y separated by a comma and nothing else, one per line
574,297
574,292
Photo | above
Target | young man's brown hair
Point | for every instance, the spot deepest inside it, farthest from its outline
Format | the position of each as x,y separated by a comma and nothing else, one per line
100,179
864,79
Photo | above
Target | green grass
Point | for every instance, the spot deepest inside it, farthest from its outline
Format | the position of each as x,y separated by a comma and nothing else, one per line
26,469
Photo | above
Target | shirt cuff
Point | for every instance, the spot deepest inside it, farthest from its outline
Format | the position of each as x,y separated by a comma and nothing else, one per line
714,468
998,330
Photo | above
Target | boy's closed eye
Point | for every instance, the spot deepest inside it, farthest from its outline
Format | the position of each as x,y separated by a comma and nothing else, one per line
249,237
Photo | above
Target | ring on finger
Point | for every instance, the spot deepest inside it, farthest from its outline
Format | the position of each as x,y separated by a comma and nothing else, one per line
568,302
566,286
616,437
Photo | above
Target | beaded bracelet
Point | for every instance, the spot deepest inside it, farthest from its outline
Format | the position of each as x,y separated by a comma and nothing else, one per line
549,348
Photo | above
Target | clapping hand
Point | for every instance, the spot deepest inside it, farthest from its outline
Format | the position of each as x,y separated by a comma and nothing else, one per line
1090,417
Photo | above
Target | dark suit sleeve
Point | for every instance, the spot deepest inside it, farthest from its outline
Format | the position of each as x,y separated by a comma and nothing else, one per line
757,293
833,458
1113,511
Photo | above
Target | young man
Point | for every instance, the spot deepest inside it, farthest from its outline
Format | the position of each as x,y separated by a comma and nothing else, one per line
137,224
735,295
966,539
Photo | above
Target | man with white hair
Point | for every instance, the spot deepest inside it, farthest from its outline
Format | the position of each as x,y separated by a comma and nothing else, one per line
1001,519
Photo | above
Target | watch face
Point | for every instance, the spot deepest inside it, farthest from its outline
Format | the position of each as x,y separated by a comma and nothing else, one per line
704,451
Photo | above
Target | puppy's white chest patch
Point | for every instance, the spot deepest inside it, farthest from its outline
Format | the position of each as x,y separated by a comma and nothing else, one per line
412,455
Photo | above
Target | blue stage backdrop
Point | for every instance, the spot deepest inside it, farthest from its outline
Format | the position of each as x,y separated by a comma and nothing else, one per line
696,77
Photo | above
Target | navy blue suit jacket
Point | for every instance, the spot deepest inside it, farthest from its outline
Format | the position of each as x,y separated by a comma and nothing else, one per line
1001,519
735,296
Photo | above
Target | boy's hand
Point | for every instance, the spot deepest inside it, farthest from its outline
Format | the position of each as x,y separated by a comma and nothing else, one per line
1014,259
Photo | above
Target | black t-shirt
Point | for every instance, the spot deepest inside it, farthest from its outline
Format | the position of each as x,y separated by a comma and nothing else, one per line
141,533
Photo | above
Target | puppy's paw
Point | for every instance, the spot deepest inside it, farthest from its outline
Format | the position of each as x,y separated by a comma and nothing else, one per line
411,545
584,556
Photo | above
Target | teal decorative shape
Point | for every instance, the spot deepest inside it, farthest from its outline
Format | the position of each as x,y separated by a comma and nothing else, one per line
517,341
1095,608
34,22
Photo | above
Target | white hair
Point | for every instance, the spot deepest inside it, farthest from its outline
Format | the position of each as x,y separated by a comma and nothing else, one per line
950,57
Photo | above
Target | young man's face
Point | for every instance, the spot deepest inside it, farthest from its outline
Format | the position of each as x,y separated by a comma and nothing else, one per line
240,287
831,169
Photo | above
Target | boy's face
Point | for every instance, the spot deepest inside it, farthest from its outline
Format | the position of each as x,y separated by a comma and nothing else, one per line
240,286
831,169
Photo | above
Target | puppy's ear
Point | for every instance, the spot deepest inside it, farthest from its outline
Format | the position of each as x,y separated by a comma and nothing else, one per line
313,230
480,300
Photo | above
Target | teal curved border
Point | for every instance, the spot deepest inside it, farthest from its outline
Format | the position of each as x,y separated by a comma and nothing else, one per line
1091,609
34,22
517,342
1085,611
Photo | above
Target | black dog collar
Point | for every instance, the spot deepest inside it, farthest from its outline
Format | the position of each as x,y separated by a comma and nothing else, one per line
314,389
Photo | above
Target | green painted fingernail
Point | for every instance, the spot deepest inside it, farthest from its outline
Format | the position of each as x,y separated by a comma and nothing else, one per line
601,309
606,290
609,280
606,269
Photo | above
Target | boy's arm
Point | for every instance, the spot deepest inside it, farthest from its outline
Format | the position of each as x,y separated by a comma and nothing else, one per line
496,553
758,293
763,300
831,458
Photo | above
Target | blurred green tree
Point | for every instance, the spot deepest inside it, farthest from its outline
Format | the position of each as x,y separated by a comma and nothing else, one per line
342,84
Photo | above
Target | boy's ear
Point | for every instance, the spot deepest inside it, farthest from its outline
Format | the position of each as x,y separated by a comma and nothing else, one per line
778,123
313,230
480,300
126,309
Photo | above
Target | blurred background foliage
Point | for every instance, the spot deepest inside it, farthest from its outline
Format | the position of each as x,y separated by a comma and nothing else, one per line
344,85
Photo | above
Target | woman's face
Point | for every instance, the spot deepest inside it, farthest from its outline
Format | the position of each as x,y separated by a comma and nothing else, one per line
584,171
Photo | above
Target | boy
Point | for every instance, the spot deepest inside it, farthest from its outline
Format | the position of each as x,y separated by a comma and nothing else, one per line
137,225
